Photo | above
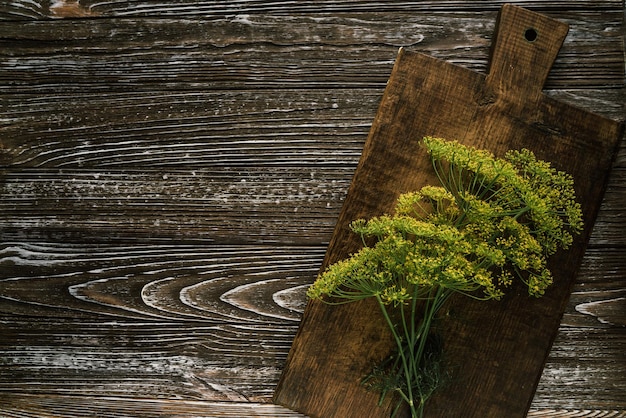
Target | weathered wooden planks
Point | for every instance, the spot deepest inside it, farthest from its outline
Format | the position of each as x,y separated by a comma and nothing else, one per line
353,50
159,321
74,407
69,9
227,205
156,129
138,91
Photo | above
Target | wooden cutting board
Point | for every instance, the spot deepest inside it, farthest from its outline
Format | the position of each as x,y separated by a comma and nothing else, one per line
496,350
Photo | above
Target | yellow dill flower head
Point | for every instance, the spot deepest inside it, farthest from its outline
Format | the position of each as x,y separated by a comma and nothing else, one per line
395,295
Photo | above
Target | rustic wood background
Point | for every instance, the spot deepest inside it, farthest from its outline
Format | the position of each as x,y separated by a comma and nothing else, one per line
170,175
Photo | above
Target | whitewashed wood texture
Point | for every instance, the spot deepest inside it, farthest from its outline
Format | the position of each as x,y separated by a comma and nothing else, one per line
171,174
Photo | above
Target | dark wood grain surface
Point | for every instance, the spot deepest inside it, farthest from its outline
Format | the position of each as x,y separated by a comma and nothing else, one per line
171,175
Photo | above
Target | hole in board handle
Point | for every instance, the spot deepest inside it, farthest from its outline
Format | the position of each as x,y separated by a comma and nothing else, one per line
531,34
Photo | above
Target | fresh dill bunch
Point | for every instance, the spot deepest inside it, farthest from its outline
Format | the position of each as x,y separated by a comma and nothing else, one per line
489,221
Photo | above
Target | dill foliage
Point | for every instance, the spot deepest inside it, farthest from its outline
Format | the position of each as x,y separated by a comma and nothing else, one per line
489,222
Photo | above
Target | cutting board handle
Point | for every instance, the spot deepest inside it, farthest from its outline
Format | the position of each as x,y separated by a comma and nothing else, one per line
523,51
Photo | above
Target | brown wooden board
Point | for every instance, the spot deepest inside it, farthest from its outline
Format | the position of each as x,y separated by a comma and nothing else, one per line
495,350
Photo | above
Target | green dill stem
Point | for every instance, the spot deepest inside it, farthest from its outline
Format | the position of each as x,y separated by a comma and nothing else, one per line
521,212
412,341
407,397
416,335
435,303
